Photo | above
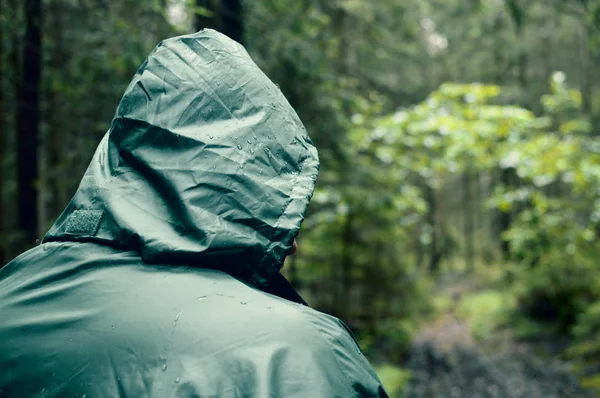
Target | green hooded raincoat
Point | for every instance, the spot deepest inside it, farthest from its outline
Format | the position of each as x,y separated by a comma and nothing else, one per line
161,277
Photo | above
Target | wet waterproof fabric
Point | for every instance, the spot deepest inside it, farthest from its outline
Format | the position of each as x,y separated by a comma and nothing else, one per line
161,278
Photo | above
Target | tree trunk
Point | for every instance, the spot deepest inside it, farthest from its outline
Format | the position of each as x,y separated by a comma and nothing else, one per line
2,155
226,16
28,119
208,17
231,20
58,187
586,79
436,255
505,217
345,282
468,220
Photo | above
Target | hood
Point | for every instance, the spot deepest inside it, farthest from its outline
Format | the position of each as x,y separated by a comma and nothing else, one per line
205,164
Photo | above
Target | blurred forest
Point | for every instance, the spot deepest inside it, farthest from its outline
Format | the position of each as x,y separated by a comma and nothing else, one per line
457,137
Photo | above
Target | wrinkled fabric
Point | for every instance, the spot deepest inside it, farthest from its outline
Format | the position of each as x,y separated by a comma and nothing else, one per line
161,277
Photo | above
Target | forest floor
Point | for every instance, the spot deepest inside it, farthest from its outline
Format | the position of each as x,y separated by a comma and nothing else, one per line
463,353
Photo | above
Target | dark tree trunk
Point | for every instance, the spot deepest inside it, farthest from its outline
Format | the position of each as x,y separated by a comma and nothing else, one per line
436,255
226,16
231,20
2,154
58,57
345,282
505,217
208,17
28,119
468,220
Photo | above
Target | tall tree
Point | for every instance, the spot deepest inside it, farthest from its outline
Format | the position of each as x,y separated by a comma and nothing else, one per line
28,120
2,147
222,15
231,19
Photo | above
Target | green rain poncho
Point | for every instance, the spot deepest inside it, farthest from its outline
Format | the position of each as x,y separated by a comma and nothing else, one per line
161,277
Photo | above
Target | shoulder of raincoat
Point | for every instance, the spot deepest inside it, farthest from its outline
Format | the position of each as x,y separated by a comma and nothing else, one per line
161,277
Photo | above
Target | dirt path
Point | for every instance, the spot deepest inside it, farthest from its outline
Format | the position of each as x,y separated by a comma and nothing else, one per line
446,361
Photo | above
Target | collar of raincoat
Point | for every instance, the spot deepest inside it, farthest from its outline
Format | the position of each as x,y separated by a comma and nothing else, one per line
205,164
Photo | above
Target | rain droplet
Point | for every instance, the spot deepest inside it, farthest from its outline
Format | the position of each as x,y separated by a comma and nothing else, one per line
255,139
218,83
243,302
235,138
269,137
269,308
113,327
177,380
211,137
201,297
214,167
177,318
251,150
249,142
239,146
164,366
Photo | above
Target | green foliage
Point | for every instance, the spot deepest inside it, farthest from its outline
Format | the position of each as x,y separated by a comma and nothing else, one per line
393,378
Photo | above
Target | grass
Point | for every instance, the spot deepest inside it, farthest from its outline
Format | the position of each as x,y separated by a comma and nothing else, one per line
486,311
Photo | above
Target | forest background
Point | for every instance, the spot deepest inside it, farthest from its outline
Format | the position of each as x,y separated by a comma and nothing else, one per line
458,139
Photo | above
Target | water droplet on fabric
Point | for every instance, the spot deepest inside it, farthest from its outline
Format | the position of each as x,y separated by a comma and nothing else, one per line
243,303
211,137
255,139
251,150
214,167
249,142
177,380
177,318
239,146
113,327
202,297
218,83
235,138
164,366
269,308
269,137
